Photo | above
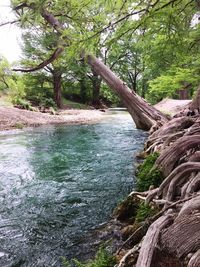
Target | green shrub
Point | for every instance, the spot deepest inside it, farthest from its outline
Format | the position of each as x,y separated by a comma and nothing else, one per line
42,101
22,103
147,175
144,211
19,125
102,259
47,103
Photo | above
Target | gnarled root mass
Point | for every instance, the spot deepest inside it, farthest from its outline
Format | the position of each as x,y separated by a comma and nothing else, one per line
173,234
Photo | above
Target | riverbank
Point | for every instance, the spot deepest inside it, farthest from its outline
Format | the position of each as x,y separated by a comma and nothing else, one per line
12,118
163,229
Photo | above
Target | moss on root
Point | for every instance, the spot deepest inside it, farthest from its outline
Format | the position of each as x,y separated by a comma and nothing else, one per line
147,175
127,209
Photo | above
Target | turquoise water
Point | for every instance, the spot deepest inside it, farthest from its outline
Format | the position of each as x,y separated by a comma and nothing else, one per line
58,184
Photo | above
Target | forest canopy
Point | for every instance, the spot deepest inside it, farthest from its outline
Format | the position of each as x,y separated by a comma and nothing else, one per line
151,45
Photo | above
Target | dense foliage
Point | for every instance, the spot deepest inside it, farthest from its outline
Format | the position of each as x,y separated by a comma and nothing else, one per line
152,45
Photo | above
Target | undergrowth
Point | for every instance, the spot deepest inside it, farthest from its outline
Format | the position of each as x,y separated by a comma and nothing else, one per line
147,175
102,259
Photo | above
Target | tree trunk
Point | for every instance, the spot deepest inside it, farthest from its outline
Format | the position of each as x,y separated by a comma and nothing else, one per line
183,94
57,85
96,86
195,104
143,114
133,79
83,90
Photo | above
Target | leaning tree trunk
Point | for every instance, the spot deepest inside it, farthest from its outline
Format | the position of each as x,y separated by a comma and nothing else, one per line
143,114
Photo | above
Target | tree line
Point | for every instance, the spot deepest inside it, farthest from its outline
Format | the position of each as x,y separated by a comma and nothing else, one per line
151,45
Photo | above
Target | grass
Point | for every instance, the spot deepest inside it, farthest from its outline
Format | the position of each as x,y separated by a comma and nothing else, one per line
144,211
75,105
5,101
19,125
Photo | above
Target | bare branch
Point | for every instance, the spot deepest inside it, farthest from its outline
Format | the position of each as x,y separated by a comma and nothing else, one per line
21,6
53,57
9,22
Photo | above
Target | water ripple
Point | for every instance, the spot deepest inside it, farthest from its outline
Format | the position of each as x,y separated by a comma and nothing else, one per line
57,184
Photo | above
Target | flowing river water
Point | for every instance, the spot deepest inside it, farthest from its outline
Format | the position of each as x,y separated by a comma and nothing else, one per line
60,183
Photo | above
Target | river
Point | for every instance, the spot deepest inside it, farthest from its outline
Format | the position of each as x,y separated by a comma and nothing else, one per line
60,183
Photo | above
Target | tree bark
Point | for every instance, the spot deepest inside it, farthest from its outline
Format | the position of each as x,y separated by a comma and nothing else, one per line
195,104
170,157
57,86
151,240
183,236
96,86
195,260
143,114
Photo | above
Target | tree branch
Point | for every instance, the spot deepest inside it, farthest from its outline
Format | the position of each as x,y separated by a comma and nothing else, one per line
9,22
53,57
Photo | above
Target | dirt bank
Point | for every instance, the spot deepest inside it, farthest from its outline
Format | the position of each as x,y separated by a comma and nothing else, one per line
11,117
171,106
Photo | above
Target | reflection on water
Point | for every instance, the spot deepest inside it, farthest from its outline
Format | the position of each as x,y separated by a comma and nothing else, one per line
59,183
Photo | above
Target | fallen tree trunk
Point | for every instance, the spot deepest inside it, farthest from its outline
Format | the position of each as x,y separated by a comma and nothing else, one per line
143,114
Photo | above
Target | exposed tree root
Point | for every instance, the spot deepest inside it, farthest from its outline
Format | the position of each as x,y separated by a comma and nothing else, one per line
136,237
151,240
173,126
178,194
195,157
183,236
195,260
170,157
185,174
172,236
190,206
133,254
178,173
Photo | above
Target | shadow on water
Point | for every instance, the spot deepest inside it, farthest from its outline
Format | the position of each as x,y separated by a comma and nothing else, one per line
58,184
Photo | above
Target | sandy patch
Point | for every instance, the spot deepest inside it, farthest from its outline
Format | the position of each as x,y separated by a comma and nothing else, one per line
15,118
171,106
